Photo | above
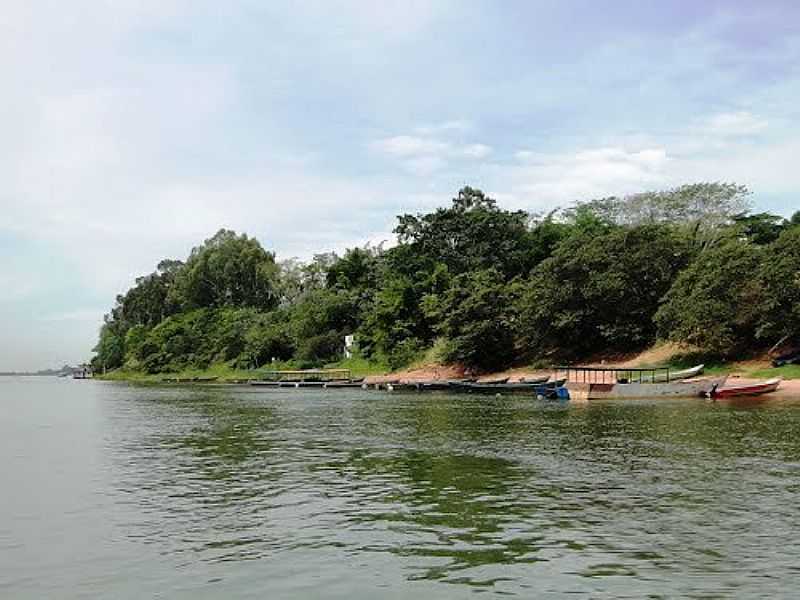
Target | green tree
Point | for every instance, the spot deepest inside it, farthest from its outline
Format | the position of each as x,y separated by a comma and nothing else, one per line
319,322
477,318
153,298
715,303
779,278
761,228
267,339
600,292
471,234
230,270
110,348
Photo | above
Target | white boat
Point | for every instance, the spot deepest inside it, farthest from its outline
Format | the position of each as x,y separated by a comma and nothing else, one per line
582,391
666,377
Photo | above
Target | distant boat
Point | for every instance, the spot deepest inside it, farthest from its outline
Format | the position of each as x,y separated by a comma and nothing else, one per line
529,385
494,381
356,383
757,388
790,358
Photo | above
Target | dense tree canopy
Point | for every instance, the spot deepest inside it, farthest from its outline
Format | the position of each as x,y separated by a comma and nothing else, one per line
780,282
715,302
491,287
477,318
472,234
230,270
600,290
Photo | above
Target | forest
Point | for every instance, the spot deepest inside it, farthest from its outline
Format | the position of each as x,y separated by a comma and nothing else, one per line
482,286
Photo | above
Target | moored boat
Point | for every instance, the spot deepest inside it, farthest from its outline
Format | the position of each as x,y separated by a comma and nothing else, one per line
497,381
675,389
668,376
529,385
756,388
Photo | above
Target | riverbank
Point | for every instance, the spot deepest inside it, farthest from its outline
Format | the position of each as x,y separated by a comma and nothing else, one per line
373,373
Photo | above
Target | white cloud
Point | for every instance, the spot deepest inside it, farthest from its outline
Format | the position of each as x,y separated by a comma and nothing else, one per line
544,178
741,123
425,155
453,126
476,150
404,146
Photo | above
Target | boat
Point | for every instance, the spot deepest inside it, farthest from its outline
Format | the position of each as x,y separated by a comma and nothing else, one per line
531,385
494,381
757,388
433,385
693,388
790,358
359,383
672,375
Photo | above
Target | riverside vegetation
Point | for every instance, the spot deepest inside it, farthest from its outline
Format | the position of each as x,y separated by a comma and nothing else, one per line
477,285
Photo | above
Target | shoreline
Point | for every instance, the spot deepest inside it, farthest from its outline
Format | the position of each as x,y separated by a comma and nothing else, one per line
740,372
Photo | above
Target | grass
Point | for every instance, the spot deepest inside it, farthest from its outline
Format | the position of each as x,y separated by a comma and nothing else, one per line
222,371
431,356
359,367
787,372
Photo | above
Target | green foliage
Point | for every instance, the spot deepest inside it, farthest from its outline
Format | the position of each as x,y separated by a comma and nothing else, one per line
230,270
198,338
266,340
780,282
600,292
471,234
715,303
477,319
762,228
110,348
319,321
476,284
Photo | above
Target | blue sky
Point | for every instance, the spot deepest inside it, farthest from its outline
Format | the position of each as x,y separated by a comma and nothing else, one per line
134,130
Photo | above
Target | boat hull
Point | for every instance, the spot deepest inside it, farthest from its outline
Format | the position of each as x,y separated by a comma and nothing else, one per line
680,389
740,391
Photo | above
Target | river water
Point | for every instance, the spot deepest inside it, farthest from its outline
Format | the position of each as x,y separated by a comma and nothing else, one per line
117,491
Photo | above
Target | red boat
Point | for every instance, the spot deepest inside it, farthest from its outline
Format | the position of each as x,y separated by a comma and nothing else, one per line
750,389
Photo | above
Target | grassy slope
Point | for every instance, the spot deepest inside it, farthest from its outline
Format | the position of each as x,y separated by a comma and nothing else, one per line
754,367
361,367
222,371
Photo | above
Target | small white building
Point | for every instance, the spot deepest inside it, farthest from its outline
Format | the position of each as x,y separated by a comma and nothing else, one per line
349,342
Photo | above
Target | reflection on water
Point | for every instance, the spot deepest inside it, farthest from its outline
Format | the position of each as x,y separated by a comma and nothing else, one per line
310,493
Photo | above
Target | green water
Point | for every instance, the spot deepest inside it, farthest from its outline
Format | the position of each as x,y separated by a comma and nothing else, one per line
116,491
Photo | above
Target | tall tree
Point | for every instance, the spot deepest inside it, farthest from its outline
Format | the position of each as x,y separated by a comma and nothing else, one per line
477,317
230,270
600,292
780,279
471,234
715,303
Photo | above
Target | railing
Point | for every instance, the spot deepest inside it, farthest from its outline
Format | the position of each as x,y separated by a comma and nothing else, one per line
612,375
306,375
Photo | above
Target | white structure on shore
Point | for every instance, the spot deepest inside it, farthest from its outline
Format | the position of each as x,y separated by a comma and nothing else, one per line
349,342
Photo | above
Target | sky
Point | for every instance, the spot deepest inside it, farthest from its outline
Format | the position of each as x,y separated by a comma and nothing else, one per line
132,131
